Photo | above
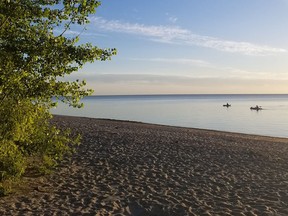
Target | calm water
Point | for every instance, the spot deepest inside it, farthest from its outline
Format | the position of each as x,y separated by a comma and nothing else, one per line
197,111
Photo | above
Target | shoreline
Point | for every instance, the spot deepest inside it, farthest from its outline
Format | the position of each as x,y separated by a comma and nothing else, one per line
179,127
134,168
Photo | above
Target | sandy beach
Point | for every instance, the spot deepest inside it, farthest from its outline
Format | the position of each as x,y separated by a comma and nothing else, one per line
130,168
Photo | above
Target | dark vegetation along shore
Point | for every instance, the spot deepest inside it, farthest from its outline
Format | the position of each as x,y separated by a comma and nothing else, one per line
129,168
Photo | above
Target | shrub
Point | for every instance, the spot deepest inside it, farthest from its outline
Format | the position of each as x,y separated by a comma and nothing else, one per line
34,60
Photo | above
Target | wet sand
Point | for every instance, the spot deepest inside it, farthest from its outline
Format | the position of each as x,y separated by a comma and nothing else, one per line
130,168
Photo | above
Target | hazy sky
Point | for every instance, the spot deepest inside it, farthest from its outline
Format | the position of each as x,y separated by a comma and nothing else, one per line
189,47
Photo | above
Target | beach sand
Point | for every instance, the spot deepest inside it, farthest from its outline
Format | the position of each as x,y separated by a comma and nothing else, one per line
130,168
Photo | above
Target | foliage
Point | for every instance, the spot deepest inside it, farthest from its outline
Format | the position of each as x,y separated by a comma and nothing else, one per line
34,58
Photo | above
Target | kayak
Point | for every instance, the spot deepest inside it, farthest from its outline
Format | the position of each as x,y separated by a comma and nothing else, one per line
256,108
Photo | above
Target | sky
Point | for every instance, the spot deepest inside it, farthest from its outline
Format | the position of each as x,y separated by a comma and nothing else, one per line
188,47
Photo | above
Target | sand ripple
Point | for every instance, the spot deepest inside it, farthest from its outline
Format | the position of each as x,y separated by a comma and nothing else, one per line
126,168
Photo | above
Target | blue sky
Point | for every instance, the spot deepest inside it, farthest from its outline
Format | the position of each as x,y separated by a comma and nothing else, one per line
189,47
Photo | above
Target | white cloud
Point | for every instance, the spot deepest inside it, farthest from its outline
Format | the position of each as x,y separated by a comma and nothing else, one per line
82,32
229,74
184,61
173,19
172,34
179,80
220,70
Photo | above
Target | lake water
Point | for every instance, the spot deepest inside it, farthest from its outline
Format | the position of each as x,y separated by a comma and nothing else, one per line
197,111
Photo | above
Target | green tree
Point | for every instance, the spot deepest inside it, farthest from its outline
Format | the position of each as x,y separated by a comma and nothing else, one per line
34,58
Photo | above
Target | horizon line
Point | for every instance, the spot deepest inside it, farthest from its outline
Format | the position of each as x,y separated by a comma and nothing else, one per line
176,94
